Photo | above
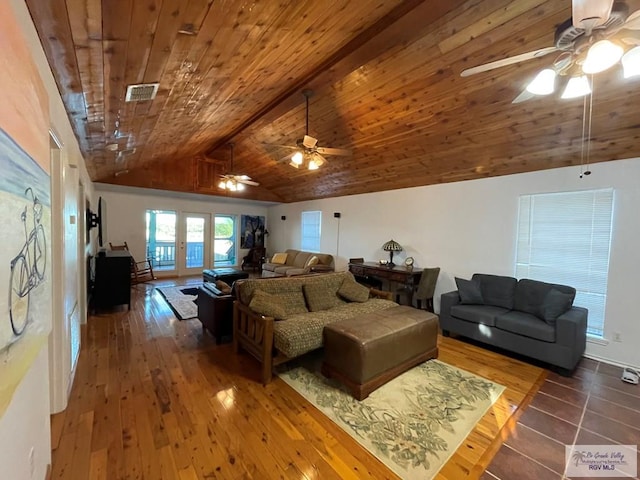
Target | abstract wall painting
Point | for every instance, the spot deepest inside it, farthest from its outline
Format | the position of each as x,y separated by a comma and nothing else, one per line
253,231
25,209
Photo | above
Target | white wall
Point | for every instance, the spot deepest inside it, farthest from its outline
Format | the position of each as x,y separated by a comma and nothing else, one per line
125,210
469,227
25,424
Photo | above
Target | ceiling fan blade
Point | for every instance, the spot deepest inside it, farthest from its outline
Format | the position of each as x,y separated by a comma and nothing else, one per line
508,61
589,14
334,151
249,182
633,21
523,97
309,142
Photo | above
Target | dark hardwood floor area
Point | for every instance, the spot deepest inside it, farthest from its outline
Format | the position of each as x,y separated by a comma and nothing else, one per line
156,398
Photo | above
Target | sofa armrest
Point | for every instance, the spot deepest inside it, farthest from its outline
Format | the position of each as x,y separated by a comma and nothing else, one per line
254,333
321,268
571,328
375,293
448,300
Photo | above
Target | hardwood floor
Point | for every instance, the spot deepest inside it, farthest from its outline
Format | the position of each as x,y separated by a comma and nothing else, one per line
155,398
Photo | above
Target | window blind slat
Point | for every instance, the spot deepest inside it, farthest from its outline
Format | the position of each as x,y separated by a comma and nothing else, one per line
565,238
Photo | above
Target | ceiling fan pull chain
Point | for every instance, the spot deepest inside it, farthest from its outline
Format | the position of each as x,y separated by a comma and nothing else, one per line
593,88
584,128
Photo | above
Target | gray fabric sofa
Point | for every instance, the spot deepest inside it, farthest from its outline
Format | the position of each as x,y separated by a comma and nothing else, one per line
529,317
297,264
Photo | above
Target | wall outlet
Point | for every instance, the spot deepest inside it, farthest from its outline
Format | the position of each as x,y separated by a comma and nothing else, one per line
617,337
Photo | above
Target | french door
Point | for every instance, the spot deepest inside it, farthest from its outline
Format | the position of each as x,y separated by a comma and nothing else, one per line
194,246
178,243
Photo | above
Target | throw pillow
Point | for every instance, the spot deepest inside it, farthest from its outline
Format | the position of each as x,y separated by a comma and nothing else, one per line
224,287
267,304
279,258
313,260
555,304
353,291
469,292
319,297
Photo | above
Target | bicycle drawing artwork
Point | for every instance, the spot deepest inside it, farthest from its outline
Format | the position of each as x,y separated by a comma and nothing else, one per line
28,266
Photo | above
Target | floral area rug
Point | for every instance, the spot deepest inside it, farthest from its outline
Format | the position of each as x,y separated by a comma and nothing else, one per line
414,423
182,300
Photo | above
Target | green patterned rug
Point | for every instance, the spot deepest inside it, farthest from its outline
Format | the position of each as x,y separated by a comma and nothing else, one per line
414,423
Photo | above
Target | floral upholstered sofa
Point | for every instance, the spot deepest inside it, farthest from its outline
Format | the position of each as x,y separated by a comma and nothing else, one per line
276,319
296,262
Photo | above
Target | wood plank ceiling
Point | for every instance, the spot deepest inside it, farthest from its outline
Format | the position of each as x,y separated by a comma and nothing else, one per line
386,81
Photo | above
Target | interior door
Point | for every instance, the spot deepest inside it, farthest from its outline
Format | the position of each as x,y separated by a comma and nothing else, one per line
194,245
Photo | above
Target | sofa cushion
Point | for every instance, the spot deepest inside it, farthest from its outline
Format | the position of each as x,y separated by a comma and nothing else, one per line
353,291
291,271
302,333
527,325
301,259
267,304
469,292
279,258
276,285
320,297
291,255
555,304
313,260
532,296
484,314
497,290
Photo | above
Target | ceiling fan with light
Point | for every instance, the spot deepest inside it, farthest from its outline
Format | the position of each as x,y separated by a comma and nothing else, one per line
599,34
307,152
234,182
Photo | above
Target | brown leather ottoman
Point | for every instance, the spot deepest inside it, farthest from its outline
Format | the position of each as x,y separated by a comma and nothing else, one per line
366,352
215,311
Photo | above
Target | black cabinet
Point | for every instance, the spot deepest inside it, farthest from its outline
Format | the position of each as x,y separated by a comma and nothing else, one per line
112,284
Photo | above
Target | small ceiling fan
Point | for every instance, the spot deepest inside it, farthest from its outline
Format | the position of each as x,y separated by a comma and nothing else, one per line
593,40
232,181
307,149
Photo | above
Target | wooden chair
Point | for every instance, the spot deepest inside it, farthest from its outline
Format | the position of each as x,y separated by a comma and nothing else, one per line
140,271
254,258
426,288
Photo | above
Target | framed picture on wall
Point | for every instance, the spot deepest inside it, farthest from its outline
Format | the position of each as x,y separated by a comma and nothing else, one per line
252,231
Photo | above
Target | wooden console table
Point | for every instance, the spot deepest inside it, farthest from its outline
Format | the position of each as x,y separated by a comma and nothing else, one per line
402,275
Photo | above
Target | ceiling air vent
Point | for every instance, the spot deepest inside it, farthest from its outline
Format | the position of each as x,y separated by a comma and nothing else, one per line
141,92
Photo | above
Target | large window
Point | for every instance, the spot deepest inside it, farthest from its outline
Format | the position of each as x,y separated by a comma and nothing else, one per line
161,239
311,231
224,240
565,238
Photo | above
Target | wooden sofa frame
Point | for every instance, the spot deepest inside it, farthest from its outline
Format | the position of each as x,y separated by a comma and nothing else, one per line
254,333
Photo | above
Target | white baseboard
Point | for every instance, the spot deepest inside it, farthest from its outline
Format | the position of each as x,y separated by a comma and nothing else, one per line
609,361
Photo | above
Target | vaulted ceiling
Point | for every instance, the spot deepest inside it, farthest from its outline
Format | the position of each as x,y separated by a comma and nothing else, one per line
386,81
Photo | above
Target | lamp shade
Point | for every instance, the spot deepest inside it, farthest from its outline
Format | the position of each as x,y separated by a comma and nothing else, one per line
601,56
544,83
577,87
392,246
631,62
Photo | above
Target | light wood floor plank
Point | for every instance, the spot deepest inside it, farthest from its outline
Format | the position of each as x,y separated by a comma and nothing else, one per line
155,397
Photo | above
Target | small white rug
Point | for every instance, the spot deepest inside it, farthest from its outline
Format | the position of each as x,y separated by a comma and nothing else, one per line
181,300
414,423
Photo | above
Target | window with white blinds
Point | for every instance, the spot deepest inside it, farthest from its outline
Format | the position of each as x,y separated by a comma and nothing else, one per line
565,238
311,231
